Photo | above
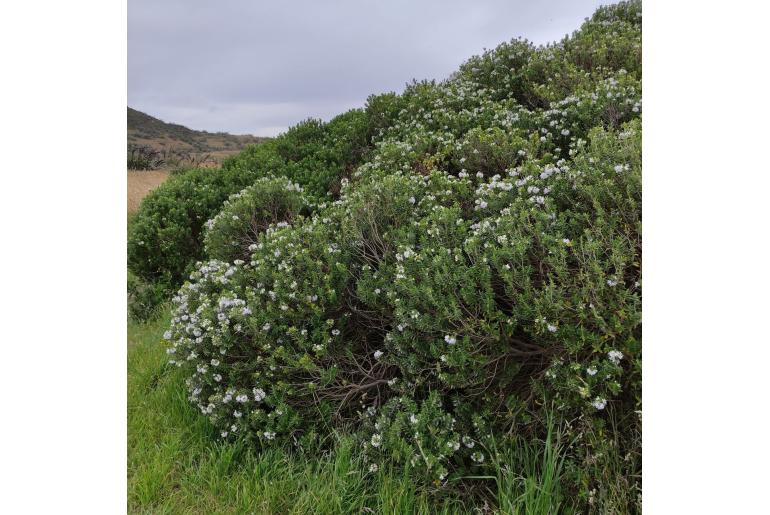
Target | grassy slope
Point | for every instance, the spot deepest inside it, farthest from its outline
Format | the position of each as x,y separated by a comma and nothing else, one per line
177,465
143,129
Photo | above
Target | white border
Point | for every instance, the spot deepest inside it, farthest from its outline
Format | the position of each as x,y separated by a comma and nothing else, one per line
62,206
706,280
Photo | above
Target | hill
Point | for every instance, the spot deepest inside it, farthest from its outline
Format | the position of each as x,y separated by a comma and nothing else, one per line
146,130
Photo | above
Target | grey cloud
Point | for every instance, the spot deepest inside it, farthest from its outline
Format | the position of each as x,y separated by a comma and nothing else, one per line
259,67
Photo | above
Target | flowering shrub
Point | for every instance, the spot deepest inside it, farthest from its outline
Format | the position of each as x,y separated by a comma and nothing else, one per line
481,263
248,213
463,293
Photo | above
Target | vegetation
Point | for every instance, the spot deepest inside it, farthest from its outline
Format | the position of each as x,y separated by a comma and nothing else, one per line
443,288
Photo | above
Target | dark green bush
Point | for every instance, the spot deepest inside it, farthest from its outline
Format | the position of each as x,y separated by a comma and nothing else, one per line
315,154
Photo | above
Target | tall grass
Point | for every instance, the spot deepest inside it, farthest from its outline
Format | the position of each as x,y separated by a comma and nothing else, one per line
528,475
177,465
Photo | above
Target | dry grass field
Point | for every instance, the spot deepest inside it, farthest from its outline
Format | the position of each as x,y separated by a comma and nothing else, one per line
140,183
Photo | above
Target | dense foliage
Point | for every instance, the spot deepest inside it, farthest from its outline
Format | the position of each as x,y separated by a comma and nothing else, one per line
252,211
471,263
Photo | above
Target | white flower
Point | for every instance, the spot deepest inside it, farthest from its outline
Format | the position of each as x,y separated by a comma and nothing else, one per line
269,435
566,241
224,434
237,414
453,445
591,371
552,328
615,356
373,467
378,354
246,312
266,327
599,403
377,291
335,332
376,440
621,168
612,282
259,394
411,200
167,335
413,418
277,253
451,340
217,377
478,457
242,398
214,362
468,442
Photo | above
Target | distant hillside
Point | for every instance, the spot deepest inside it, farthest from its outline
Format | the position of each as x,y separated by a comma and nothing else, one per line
146,130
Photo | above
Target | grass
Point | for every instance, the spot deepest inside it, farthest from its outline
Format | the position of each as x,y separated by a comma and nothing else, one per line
140,183
177,465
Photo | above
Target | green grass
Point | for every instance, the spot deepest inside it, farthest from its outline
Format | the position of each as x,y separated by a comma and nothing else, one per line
177,465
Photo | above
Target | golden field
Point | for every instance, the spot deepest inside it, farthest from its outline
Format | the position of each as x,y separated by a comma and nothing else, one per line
140,183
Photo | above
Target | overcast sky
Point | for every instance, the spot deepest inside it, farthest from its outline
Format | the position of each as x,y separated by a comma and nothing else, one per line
256,67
